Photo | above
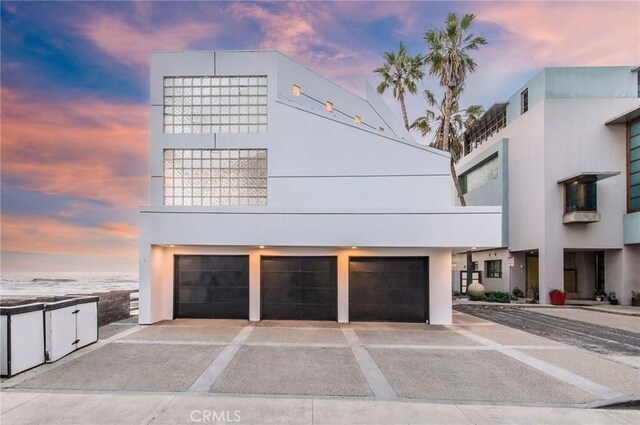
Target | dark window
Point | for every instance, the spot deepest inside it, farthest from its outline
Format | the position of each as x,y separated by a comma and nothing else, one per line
494,268
524,101
581,196
475,266
633,157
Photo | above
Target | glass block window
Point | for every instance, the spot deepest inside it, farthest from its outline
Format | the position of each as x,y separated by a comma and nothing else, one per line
209,104
481,175
213,177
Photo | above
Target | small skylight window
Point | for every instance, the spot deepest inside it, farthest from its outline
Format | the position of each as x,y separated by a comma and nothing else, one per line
296,90
358,119
329,106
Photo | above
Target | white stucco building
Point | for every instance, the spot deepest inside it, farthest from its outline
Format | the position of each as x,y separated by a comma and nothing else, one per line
277,194
562,156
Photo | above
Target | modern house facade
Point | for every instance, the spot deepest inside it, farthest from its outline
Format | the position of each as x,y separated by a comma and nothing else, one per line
562,156
277,194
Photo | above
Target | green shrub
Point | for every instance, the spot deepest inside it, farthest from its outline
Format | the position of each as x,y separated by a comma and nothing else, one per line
517,293
496,297
635,295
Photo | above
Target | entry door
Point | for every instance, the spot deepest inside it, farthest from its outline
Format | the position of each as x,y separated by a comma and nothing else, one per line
533,274
298,288
211,287
393,289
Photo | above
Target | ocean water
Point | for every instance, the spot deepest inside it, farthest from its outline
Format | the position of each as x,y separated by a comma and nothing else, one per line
42,283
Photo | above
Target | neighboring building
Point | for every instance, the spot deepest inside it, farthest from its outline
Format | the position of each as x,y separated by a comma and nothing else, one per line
563,157
277,194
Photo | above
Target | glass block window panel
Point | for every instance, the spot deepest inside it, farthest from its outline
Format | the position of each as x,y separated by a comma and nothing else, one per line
215,104
482,174
215,177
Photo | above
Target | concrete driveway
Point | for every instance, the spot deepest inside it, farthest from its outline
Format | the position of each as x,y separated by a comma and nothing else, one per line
474,361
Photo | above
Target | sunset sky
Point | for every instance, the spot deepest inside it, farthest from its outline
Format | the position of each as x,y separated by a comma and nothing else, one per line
75,91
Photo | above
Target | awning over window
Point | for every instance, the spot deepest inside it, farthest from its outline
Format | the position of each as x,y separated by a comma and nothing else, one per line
589,176
625,117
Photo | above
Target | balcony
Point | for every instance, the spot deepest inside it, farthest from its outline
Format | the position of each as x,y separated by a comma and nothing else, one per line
581,197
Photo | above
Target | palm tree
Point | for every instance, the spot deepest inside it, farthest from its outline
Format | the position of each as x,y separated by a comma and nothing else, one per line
448,128
449,60
400,72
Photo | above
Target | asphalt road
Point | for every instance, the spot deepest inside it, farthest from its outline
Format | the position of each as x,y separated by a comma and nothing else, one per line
599,339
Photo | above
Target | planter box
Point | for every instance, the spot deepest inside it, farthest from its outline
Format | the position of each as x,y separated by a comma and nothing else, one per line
22,342
558,298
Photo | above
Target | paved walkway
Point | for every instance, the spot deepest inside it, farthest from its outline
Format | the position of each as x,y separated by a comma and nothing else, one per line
475,371
122,409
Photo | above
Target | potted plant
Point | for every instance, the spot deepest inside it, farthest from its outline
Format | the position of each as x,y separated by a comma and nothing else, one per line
557,296
635,298
612,298
599,295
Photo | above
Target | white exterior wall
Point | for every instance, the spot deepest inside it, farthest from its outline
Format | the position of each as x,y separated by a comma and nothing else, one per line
563,134
439,276
332,184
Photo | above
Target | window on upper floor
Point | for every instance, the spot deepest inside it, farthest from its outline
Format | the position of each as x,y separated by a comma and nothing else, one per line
633,167
215,177
524,101
482,174
493,268
215,104
581,196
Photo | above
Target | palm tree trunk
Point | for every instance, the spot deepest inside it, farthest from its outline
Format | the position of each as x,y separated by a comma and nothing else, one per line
454,176
447,119
404,111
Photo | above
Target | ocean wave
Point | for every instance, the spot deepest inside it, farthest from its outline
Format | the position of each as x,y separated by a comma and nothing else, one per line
39,279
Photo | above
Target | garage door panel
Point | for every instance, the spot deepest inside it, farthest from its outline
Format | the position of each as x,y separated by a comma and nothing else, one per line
388,289
317,296
315,280
301,288
279,279
230,278
195,278
211,287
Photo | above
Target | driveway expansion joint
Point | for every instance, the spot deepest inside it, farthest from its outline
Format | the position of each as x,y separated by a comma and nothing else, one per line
208,378
559,373
378,383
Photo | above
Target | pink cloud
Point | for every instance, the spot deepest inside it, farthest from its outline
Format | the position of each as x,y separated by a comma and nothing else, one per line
133,44
41,234
539,34
87,148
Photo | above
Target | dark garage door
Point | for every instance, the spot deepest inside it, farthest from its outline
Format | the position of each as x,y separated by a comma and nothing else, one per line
211,287
298,288
393,289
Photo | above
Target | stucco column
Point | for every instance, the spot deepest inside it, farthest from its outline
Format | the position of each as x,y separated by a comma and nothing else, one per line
254,287
150,284
343,288
551,266
440,287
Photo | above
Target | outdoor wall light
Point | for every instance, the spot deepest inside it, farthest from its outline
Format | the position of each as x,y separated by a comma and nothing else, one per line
297,91
329,106
358,119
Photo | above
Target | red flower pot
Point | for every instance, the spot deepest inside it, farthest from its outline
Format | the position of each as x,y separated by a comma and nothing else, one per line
558,298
